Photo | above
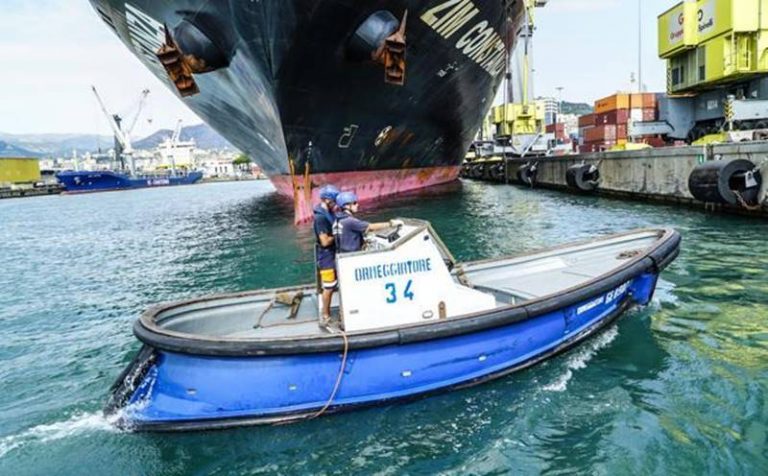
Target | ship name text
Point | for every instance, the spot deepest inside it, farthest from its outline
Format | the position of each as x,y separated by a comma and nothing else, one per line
480,42
147,34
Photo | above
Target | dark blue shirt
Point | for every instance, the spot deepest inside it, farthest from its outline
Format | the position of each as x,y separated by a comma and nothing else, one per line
325,255
349,232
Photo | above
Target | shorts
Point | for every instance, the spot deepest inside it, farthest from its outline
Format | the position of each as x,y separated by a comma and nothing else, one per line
328,278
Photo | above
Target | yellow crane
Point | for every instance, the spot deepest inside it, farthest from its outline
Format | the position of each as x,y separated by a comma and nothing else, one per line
521,121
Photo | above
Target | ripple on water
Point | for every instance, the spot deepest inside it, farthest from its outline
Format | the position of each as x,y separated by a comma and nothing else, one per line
676,388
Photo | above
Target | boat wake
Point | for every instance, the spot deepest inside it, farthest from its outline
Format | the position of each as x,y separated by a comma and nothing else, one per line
76,425
580,358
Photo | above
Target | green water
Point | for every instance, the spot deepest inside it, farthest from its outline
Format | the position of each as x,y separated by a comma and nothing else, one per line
680,387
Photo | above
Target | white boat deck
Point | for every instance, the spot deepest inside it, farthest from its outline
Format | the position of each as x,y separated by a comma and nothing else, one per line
271,315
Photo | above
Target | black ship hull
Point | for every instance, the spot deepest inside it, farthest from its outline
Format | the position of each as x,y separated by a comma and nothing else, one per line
296,83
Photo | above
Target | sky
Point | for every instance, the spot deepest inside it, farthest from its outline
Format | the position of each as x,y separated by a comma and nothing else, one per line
52,51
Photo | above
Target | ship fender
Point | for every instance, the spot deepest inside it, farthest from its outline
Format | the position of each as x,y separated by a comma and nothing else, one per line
527,173
583,177
370,35
195,39
497,172
477,171
733,182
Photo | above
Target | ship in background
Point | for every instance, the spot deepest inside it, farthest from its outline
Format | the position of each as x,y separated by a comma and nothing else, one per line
83,181
375,96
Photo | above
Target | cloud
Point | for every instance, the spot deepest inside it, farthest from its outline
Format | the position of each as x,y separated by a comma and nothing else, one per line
51,52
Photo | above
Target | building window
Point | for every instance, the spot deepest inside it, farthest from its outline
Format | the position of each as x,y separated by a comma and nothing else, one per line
701,61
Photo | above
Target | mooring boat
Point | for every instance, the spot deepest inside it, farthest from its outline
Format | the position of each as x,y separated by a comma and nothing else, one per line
412,322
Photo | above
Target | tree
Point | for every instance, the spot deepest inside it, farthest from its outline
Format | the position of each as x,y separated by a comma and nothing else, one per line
241,159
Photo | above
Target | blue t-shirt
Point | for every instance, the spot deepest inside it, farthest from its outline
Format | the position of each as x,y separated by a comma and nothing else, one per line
349,232
326,256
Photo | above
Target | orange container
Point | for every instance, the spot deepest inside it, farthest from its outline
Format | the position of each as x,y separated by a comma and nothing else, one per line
621,131
636,101
612,103
601,133
587,120
649,100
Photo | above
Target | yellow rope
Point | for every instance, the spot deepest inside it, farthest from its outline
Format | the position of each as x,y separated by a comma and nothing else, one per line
338,377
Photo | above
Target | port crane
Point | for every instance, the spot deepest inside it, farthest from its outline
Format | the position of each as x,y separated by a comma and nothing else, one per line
518,123
172,143
123,145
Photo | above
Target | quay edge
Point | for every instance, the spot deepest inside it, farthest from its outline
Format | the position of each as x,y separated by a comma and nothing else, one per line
653,175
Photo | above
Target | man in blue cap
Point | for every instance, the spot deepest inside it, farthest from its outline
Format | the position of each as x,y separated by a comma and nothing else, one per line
349,230
325,246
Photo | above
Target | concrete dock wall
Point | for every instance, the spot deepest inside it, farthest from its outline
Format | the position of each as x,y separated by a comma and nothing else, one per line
651,174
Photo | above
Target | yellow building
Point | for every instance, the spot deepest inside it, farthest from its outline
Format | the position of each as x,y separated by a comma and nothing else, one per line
19,170
712,42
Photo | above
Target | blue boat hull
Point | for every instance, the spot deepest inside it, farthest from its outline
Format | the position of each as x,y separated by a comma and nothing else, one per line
176,390
104,181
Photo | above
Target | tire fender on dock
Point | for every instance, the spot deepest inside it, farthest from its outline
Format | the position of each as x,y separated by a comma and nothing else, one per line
526,174
726,181
497,172
583,177
477,171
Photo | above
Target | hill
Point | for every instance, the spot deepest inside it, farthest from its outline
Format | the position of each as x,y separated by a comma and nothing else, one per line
57,145
204,136
578,108
11,150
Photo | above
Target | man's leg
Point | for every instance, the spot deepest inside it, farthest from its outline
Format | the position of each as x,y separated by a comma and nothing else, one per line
327,298
328,280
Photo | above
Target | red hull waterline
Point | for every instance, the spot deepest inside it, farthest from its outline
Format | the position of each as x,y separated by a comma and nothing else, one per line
367,185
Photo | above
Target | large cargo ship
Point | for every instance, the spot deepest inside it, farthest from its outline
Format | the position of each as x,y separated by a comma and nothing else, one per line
378,96
107,180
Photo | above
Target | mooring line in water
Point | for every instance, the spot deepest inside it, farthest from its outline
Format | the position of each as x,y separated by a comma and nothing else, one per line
338,377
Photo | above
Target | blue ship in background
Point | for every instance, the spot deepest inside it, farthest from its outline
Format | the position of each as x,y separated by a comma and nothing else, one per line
102,181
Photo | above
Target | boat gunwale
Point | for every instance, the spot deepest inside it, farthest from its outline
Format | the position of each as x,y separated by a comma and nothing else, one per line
656,258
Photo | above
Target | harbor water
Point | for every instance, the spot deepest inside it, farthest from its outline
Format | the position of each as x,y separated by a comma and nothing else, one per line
679,387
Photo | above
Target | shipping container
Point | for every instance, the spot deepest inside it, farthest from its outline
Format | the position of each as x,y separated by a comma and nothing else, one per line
619,116
558,128
587,120
621,132
649,101
612,103
636,101
636,115
650,115
601,133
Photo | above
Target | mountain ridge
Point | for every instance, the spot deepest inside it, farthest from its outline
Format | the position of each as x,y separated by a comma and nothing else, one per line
62,145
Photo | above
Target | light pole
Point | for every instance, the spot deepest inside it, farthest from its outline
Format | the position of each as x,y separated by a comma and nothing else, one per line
559,102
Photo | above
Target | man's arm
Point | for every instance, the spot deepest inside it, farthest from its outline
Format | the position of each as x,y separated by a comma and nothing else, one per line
383,225
326,240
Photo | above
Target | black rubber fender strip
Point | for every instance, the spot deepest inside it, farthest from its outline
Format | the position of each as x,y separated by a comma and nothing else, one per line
663,255
122,389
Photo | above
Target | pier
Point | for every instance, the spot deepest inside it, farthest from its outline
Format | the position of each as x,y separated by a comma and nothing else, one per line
652,175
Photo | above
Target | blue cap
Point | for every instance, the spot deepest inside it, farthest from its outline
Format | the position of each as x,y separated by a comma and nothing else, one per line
345,198
328,192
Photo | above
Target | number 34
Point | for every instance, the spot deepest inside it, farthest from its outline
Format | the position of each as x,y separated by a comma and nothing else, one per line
392,290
